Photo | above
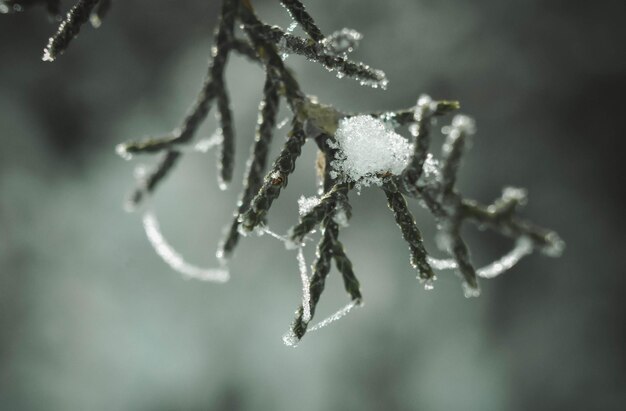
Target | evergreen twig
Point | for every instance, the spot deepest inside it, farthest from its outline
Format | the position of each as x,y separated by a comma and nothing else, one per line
276,179
68,29
319,122
257,162
299,14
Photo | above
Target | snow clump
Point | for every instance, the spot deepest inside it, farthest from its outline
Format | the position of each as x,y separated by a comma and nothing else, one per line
368,150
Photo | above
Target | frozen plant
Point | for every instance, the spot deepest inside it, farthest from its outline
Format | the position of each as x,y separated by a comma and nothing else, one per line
356,150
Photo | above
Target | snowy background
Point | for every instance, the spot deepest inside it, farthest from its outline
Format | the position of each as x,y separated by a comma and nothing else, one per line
91,319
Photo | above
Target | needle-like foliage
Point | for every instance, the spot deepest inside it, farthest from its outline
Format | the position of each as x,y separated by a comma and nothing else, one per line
403,169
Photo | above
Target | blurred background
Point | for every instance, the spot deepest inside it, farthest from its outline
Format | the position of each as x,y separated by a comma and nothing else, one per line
92,319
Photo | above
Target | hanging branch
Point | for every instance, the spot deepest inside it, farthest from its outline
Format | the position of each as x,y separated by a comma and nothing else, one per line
403,169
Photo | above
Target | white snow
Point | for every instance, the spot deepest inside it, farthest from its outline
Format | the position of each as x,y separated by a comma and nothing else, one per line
368,150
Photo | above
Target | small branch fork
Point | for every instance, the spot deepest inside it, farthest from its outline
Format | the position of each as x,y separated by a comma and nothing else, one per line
261,187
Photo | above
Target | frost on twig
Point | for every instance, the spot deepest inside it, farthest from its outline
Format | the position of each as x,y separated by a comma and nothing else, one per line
355,151
174,259
523,247
68,29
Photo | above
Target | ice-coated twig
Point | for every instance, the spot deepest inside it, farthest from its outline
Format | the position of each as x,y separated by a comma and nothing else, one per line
290,339
220,51
451,241
227,157
306,284
321,268
410,232
256,164
253,27
213,87
361,72
344,266
148,184
174,259
523,247
341,42
328,248
276,179
452,152
425,110
325,207
299,14
68,29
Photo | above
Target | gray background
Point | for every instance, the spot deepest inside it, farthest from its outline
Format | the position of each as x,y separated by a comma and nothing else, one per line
91,319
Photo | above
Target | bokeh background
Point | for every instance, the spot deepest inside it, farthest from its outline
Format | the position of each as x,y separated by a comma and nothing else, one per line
91,319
